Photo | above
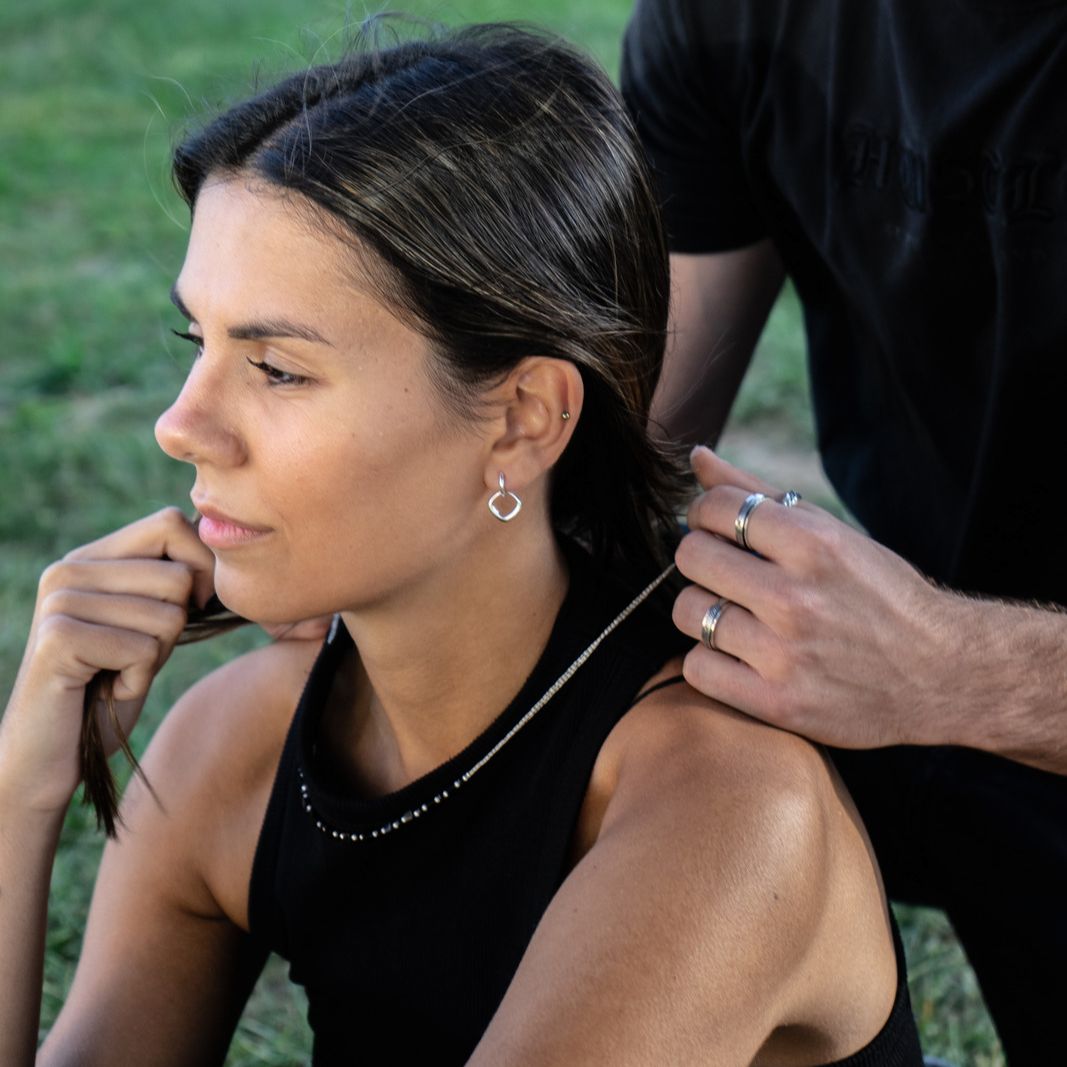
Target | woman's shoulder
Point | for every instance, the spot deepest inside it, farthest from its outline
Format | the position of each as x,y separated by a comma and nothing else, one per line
211,765
678,748
239,707
752,831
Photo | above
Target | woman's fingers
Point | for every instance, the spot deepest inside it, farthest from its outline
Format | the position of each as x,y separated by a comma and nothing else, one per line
118,604
166,535
306,630
160,579
160,619
77,650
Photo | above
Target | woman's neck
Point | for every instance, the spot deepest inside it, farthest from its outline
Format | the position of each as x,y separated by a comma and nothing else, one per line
438,663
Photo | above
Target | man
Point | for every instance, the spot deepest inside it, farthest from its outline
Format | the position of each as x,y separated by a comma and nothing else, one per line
905,163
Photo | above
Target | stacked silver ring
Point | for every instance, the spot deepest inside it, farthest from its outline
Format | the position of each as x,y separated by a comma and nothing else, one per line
752,501
790,498
710,621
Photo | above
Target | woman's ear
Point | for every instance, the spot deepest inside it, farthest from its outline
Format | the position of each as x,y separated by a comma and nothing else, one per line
541,402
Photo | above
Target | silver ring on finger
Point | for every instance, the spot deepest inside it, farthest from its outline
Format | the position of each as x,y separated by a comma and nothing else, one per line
790,498
711,621
752,501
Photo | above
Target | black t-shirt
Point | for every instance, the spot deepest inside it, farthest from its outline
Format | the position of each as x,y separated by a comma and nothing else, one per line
909,160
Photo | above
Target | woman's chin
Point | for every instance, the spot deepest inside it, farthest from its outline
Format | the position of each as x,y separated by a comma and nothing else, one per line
257,604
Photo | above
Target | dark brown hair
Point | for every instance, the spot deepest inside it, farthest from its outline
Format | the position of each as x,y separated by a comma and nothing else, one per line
492,186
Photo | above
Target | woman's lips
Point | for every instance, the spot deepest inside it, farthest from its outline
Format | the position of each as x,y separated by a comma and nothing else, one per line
217,530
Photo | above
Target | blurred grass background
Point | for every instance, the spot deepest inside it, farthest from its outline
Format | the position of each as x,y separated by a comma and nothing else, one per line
91,237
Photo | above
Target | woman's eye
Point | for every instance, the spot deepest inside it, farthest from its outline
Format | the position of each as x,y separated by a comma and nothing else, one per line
273,375
277,377
198,341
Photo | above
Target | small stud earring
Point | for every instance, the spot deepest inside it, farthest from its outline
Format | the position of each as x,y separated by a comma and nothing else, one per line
499,495
564,415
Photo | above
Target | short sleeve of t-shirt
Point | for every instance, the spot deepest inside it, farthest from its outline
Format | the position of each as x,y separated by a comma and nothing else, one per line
669,83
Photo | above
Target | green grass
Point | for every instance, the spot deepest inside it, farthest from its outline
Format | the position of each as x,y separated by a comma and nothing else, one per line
91,237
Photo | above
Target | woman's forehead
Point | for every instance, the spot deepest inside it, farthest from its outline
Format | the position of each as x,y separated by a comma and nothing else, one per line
255,248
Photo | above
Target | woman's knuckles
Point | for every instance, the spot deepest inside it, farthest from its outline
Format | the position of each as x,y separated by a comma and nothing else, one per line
160,618
76,648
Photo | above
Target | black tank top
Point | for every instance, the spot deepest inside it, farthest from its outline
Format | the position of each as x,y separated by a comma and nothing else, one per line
407,940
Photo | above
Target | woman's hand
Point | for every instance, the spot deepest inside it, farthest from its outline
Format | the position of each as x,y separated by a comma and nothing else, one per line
118,604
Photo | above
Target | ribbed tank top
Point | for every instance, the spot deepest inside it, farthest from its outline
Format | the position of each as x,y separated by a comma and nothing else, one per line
407,941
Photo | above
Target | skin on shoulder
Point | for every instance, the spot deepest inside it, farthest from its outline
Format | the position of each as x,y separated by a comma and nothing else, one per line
725,856
212,763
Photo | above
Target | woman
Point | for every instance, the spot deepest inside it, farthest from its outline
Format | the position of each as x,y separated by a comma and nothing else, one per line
427,291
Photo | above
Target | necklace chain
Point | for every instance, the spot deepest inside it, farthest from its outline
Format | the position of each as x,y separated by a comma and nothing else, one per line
419,810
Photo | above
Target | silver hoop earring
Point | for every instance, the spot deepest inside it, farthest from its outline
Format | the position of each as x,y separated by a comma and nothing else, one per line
499,495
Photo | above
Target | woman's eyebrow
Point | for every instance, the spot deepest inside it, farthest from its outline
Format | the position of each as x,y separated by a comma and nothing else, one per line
259,329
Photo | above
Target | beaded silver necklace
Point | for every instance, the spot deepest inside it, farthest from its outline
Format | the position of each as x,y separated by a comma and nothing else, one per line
419,810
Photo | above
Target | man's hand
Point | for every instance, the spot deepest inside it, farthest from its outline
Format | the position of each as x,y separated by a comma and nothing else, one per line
833,636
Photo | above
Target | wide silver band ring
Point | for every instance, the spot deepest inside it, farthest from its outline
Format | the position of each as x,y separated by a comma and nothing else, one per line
711,620
790,498
752,501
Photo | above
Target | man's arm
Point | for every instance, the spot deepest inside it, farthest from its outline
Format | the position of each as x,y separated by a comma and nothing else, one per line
832,636
719,305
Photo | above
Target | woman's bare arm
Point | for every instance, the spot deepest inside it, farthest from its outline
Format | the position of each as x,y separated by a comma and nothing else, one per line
116,605
698,923
166,965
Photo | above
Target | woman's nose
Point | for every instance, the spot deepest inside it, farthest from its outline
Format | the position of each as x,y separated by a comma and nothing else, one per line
198,427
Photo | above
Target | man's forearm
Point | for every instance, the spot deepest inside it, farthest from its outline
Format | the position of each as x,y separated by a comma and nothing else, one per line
719,304
1005,685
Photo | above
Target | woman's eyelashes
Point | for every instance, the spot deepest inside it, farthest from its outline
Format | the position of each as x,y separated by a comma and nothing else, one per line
274,375
192,338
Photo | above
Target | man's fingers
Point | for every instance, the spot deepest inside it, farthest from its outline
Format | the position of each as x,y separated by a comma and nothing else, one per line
725,679
786,535
737,633
715,564
711,470
167,534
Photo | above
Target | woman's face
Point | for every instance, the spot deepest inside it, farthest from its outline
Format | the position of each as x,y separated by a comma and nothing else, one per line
329,473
